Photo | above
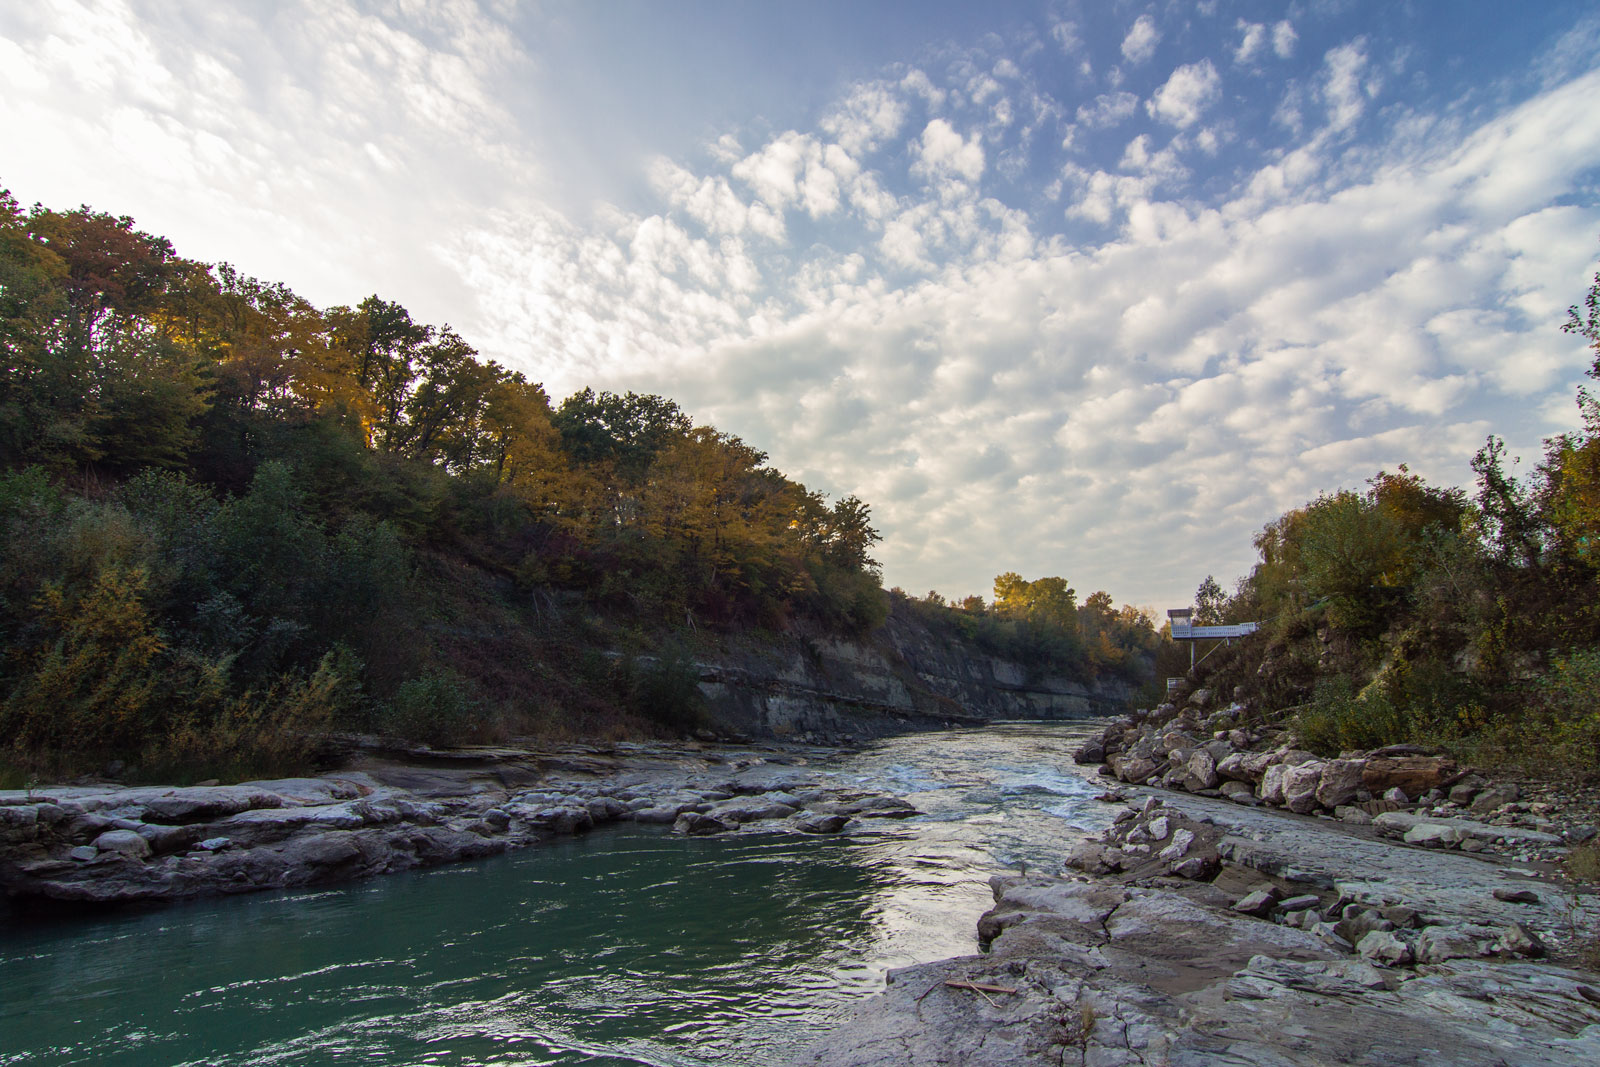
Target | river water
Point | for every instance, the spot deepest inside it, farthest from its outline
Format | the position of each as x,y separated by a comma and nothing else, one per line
628,946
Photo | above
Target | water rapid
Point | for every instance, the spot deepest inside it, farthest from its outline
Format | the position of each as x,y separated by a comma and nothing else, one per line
626,947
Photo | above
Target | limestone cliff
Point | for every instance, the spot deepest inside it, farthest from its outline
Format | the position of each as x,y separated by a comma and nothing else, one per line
904,675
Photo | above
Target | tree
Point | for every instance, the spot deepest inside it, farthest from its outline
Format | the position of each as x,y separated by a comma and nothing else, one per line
1209,602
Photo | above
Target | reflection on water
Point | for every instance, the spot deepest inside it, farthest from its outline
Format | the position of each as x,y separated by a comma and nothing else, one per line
629,946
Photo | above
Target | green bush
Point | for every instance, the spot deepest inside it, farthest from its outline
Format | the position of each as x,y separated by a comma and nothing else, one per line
436,709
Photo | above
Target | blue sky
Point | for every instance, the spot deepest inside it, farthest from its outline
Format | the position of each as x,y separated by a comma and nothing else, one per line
1094,290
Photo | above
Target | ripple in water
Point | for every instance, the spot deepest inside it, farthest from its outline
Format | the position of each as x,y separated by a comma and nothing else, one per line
628,947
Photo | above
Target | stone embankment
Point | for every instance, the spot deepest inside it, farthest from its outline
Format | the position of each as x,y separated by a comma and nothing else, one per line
1402,791
1222,935
110,843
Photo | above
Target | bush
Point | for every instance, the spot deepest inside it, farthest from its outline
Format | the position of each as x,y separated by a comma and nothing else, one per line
435,709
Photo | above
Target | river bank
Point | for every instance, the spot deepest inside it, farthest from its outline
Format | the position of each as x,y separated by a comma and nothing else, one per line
108,843
1256,905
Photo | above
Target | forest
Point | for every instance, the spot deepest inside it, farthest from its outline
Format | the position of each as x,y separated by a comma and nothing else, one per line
236,522
1459,619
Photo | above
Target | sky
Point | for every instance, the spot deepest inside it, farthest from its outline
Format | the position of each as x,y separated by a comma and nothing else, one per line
1083,289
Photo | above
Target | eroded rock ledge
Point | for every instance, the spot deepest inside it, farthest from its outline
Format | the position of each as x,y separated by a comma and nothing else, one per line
112,844
1216,935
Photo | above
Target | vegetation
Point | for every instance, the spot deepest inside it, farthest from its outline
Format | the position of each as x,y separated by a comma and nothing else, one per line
235,521
1041,624
1411,613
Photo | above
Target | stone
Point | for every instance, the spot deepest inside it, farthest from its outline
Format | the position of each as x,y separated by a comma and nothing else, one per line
1518,940
1436,944
1463,791
1201,770
213,844
1159,828
1353,816
698,823
1133,769
819,822
1394,794
1361,922
1235,789
1198,868
1258,903
1181,841
1384,947
1399,914
1271,788
125,842
1300,902
1432,835
1300,784
1494,798
83,853
1517,896
1341,781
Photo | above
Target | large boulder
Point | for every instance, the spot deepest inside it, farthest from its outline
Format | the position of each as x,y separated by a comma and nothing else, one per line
1341,781
1300,784
1201,771
1271,788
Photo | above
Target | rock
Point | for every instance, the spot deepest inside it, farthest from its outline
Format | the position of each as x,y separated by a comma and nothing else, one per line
1518,940
1494,798
1092,858
1159,828
1436,944
213,844
1363,921
1414,774
1463,791
1386,948
1258,903
818,822
1093,749
1133,769
1181,840
1200,772
1402,916
1516,896
1353,816
1341,781
1399,823
1432,835
1198,868
1271,788
1300,787
697,823
1300,903
126,842
83,853
1235,789
1394,794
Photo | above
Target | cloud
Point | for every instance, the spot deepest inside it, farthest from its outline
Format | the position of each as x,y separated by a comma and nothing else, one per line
1342,88
1186,95
869,115
1108,109
1140,43
1253,37
1284,39
943,153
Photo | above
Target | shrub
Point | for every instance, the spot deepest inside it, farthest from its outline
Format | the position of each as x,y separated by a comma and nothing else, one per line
435,708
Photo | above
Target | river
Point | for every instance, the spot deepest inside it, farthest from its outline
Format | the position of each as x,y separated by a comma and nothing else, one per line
628,946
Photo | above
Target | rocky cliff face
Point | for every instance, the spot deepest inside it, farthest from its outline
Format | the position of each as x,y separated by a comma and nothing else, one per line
904,675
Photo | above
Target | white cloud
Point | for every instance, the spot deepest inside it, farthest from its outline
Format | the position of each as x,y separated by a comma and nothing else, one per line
942,153
1253,37
1108,109
1343,88
870,115
1186,95
1065,34
1140,43
1284,39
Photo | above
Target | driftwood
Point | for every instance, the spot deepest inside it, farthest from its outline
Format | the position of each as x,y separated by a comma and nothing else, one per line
980,987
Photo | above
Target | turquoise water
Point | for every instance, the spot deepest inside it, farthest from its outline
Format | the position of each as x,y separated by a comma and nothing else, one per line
625,947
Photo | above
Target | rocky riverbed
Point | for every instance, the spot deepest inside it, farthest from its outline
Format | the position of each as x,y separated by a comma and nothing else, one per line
1210,934
1254,904
110,843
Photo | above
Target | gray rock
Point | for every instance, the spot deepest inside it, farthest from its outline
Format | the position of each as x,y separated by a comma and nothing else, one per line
83,853
1517,896
1518,940
1396,795
819,822
696,823
213,844
1386,948
1340,782
1259,903
1494,798
125,842
1300,785
1300,903
1436,944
